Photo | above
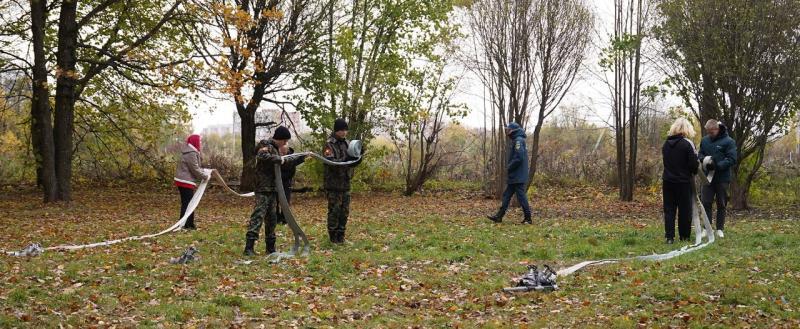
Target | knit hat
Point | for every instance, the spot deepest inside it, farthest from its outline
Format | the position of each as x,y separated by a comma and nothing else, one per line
282,133
339,125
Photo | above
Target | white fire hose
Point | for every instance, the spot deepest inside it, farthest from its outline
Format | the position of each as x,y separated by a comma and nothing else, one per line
354,151
698,213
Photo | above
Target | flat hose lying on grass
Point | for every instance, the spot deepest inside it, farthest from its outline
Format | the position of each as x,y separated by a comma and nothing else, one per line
354,151
698,213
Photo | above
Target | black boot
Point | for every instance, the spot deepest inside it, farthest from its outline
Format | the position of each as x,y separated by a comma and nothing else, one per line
498,217
270,245
340,237
527,219
189,225
333,235
248,248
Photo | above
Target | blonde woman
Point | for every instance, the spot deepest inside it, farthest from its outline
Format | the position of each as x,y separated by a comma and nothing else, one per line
680,166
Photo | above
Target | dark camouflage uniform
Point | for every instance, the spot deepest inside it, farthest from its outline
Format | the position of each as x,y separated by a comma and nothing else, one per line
337,184
266,197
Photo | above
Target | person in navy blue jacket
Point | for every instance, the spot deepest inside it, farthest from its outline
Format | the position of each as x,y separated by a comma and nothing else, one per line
517,167
720,149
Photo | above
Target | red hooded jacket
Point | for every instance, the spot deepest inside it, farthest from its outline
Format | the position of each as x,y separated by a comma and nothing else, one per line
194,140
189,167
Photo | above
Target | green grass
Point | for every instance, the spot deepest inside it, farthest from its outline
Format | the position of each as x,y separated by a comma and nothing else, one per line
430,262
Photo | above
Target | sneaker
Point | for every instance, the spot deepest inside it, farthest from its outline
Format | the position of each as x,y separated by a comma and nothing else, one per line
670,241
720,234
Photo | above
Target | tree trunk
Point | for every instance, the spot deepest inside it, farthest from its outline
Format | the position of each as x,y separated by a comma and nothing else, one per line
534,150
41,120
501,160
248,126
739,195
65,97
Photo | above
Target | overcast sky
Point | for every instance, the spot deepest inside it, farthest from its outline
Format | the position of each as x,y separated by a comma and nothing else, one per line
588,93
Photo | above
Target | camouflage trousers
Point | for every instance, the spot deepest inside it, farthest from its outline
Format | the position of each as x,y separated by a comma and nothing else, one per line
338,210
264,213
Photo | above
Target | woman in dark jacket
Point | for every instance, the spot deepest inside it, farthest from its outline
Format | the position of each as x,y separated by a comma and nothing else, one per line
187,175
680,166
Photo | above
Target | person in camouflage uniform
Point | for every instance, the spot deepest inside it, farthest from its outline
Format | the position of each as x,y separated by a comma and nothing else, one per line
267,156
337,181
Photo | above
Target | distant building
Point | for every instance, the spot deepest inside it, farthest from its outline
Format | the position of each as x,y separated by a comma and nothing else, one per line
221,129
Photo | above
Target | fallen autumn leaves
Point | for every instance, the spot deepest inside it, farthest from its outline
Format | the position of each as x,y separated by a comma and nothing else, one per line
420,261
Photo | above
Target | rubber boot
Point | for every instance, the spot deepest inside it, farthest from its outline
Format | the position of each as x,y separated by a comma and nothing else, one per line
527,219
498,217
270,245
248,248
189,225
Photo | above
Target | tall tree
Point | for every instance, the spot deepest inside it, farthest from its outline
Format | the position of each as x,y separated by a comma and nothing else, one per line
624,58
561,37
255,46
92,39
737,61
41,114
422,119
505,60
367,53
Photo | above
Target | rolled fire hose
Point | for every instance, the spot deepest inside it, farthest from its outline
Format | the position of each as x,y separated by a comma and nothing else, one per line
354,151
710,175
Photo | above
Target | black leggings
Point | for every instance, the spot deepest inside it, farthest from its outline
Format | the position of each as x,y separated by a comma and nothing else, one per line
186,196
677,198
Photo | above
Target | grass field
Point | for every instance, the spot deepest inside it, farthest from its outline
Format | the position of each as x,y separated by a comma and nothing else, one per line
429,261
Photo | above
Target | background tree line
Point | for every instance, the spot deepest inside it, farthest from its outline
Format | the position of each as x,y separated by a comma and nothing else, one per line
106,85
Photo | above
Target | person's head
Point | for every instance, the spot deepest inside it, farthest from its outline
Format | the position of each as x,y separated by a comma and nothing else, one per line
194,140
712,127
682,127
340,128
281,136
511,128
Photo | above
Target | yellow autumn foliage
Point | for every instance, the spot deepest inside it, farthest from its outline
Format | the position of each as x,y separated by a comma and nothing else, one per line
9,143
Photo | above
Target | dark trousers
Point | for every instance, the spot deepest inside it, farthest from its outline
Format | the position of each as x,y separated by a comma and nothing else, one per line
720,192
338,210
677,198
522,198
186,196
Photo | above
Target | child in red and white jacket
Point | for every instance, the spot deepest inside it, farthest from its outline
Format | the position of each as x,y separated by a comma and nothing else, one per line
187,175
